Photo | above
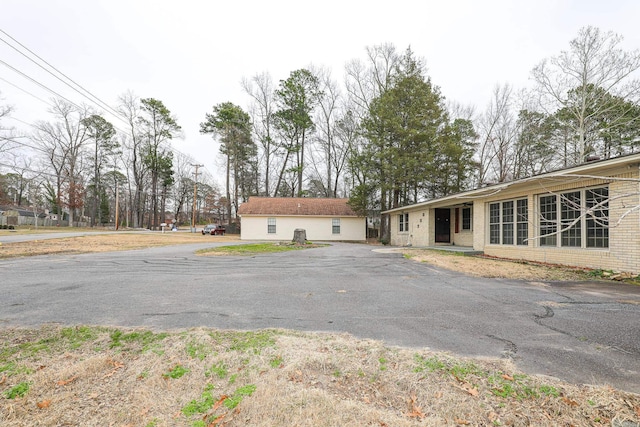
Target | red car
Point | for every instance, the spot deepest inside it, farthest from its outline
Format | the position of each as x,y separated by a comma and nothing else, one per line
213,229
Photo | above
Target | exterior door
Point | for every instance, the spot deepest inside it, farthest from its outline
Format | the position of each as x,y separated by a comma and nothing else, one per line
443,225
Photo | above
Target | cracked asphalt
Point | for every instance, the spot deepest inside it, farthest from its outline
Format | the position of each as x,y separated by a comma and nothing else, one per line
579,332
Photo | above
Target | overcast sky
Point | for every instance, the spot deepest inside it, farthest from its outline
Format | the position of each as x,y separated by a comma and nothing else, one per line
192,55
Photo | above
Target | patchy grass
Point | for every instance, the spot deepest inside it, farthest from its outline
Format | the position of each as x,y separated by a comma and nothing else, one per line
255,249
203,377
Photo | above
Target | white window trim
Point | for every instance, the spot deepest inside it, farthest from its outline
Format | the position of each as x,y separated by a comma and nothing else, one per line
500,222
269,225
470,229
403,223
335,222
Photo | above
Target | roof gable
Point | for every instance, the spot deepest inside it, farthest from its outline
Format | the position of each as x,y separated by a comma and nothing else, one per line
296,206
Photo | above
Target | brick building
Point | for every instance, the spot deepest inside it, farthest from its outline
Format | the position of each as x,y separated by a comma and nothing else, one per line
585,216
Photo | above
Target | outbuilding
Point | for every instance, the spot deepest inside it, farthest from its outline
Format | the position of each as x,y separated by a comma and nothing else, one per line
324,219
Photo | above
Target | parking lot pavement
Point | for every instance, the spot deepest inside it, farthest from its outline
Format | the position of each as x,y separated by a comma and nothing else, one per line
580,332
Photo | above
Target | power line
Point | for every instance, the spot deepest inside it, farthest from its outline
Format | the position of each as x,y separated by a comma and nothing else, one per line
48,89
95,99
24,90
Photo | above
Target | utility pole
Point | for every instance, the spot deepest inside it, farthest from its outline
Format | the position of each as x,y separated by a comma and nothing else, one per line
195,196
117,205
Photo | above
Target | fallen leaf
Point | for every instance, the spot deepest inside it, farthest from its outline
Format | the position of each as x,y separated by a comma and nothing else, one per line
414,410
637,409
67,381
115,363
569,401
507,377
116,366
3,379
220,402
217,420
44,404
461,422
469,388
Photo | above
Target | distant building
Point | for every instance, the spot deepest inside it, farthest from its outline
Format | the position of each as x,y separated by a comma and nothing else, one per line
324,219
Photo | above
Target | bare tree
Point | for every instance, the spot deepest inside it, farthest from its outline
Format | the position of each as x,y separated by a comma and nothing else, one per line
497,128
591,81
367,80
129,108
330,157
63,142
261,90
6,141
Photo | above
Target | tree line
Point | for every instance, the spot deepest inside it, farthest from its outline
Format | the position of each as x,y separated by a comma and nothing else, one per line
384,138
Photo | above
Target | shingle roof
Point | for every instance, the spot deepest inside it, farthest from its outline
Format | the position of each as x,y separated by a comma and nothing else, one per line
296,206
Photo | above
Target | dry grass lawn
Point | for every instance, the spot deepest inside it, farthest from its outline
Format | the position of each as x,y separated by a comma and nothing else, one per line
56,376
102,376
116,241
494,268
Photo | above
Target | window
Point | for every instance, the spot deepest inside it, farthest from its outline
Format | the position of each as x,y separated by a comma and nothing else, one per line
494,223
335,226
522,222
271,225
597,218
570,224
583,220
404,222
508,222
548,220
466,218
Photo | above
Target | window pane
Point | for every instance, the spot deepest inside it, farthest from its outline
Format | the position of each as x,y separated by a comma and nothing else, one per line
271,225
494,223
507,234
597,204
404,222
335,226
548,220
522,219
507,223
466,218
570,211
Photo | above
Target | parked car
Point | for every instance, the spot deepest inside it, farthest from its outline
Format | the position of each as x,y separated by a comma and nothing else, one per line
213,229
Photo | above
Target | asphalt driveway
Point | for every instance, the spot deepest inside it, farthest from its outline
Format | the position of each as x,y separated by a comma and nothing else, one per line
583,333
